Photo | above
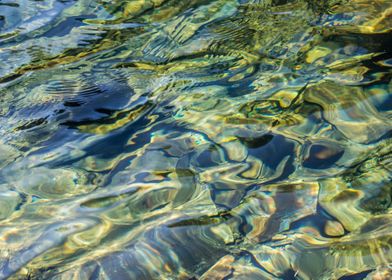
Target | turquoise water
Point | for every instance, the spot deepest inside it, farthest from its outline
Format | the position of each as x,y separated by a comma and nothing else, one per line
225,139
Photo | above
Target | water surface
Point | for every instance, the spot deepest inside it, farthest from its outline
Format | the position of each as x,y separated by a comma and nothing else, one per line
167,139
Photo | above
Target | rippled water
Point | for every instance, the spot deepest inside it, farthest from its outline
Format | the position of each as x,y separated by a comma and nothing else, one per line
221,139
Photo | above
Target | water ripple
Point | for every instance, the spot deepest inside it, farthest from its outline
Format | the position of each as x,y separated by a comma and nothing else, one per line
225,139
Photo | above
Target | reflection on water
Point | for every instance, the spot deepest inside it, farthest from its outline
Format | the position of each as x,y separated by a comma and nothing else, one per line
225,139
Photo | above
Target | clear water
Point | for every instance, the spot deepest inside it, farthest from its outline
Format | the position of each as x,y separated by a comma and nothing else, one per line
222,139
